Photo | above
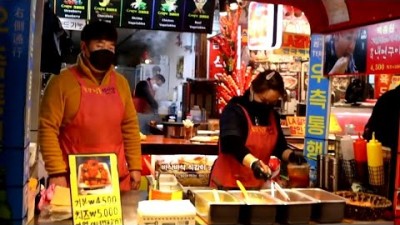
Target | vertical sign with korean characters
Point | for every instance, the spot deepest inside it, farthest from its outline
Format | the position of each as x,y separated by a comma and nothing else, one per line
199,16
95,194
168,14
317,111
384,48
106,10
215,62
72,13
16,64
137,14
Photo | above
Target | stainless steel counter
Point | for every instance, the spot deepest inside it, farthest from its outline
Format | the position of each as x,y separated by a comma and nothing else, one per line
129,205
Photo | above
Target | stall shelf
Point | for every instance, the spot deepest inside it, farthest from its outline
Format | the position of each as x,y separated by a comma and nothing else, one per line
160,145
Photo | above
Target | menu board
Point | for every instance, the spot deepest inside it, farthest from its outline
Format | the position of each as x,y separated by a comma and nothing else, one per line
372,49
106,10
384,48
199,16
137,14
168,15
72,9
95,194
171,15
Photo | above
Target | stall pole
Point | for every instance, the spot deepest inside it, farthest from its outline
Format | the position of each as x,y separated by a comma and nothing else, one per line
317,109
17,26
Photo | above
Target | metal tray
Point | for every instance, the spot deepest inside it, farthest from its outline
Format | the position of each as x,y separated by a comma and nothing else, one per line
260,208
327,203
224,211
295,211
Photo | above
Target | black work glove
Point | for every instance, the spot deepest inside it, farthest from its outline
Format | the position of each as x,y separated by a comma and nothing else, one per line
297,158
259,172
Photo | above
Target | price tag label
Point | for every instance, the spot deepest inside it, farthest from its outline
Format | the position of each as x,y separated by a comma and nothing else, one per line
95,190
296,125
72,24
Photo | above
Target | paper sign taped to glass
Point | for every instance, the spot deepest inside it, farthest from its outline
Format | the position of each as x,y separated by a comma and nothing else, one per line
190,170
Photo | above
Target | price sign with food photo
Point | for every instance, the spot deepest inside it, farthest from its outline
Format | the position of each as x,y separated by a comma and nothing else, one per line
95,193
93,174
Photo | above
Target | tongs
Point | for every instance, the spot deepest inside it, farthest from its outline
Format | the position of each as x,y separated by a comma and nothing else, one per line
276,186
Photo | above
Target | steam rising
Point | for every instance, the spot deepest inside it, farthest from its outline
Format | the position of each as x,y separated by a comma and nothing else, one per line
156,42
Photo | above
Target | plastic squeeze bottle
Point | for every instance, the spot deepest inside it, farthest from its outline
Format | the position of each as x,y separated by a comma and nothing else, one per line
360,149
346,147
360,156
374,152
375,162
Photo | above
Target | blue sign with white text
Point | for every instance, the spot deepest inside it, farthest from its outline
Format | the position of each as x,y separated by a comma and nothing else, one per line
317,110
15,65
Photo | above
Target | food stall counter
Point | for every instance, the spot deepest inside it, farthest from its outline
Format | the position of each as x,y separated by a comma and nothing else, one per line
130,203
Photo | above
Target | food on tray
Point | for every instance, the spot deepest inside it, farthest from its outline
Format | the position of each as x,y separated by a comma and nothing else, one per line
213,138
290,82
94,174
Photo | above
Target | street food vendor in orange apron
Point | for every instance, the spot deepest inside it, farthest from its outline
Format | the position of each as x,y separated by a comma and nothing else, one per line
250,132
88,108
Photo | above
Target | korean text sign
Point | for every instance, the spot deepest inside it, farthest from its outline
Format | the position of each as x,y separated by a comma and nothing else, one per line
95,189
318,100
16,64
383,48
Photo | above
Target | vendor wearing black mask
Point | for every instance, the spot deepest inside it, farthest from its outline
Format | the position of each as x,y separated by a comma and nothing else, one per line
88,109
250,132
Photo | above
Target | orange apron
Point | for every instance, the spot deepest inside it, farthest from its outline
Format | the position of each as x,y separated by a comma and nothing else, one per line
96,127
261,141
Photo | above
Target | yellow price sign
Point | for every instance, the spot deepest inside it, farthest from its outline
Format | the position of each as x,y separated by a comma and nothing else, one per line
95,194
296,125
334,126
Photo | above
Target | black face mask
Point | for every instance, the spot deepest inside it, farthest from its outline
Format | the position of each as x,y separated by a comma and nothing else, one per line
101,59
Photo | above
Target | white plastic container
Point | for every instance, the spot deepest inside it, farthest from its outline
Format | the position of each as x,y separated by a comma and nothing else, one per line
195,112
166,212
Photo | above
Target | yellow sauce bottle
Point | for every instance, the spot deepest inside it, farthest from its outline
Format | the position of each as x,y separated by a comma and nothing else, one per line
374,152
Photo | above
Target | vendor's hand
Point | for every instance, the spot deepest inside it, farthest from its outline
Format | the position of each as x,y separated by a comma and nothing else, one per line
340,65
136,176
58,181
297,158
260,170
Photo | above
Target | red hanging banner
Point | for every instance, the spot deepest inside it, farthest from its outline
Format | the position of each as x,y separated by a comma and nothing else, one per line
384,47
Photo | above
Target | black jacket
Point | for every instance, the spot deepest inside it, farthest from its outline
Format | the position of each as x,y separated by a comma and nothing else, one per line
384,120
234,127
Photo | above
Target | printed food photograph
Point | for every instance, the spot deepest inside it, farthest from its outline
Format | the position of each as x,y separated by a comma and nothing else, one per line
94,175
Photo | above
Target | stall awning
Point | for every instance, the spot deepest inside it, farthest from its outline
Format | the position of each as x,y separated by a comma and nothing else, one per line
324,15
